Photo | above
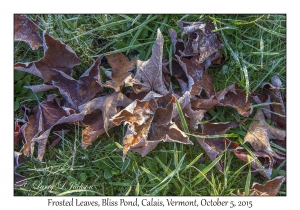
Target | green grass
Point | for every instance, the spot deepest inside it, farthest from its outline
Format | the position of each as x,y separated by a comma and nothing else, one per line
255,50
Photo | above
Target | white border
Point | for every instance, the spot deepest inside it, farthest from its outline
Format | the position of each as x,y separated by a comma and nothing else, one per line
7,200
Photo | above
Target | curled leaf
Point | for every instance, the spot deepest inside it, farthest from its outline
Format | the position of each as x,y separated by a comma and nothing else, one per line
41,121
27,31
232,97
201,80
108,105
260,132
270,188
150,122
273,90
261,161
201,39
213,146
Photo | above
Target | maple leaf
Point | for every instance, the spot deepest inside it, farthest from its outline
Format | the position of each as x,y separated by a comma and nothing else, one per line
201,40
213,146
273,90
198,78
120,70
149,73
270,188
260,132
262,162
232,97
150,122
78,92
108,105
57,57
19,180
27,31
42,120
193,117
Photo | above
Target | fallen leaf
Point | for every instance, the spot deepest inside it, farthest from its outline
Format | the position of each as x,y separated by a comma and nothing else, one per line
149,73
178,44
41,121
194,116
150,122
262,162
232,97
120,70
27,31
260,99
260,132
201,40
213,146
273,90
203,104
94,126
19,180
108,105
57,57
17,133
78,92
270,188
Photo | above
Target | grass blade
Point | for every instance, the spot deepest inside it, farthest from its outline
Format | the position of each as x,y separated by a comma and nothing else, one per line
166,180
201,176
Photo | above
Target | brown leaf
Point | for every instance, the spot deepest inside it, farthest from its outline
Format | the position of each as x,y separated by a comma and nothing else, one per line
232,97
213,146
270,188
19,180
195,116
120,70
78,92
108,105
43,137
17,133
27,31
41,121
58,57
200,78
94,126
259,99
149,73
273,90
178,45
31,129
260,132
262,162
201,39
203,104
150,122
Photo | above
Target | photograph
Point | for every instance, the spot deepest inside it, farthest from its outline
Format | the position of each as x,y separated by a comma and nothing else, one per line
152,105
